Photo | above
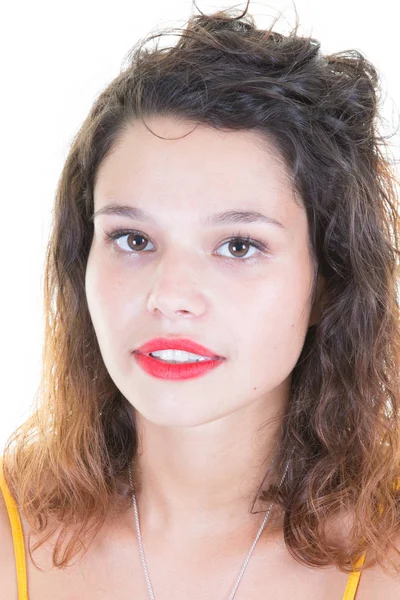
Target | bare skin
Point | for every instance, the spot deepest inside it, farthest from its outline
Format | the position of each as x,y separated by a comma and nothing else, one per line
204,568
204,443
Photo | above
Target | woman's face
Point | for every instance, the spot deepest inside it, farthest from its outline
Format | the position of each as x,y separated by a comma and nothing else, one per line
189,279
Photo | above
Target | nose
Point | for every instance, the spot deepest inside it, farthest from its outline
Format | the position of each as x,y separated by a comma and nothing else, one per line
173,300
177,290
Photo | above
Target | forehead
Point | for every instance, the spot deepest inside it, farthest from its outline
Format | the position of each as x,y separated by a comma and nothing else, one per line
182,163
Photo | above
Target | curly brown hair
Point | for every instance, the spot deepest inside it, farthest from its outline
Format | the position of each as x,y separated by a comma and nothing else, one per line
69,459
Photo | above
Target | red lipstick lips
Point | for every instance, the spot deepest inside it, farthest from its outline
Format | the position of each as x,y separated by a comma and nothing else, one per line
176,344
164,370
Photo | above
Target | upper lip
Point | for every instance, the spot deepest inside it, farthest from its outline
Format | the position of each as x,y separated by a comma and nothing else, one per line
176,344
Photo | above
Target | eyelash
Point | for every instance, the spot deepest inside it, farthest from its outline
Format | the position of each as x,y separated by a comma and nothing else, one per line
260,245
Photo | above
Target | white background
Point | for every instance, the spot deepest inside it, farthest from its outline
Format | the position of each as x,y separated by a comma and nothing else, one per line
56,57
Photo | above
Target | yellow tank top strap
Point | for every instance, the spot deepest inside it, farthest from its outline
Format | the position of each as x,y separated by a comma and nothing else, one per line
18,536
353,580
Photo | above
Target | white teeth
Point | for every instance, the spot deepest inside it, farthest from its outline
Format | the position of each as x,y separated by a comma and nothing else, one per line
180,356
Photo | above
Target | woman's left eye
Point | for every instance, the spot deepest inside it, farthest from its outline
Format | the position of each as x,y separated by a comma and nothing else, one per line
238,244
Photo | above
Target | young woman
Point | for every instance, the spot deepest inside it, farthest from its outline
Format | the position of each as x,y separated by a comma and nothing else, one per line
219,408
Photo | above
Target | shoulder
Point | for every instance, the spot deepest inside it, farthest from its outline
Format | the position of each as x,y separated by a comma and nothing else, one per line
7,562
375,582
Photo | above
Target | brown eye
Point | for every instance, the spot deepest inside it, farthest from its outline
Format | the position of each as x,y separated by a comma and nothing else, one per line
239,247
136,241
128,240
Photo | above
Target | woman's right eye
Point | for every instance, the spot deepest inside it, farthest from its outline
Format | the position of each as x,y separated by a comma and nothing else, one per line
135,240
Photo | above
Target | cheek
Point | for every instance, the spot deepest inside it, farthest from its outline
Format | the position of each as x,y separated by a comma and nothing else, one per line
271,337
105,298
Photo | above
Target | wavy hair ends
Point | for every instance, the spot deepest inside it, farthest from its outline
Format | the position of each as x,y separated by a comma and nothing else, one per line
67,463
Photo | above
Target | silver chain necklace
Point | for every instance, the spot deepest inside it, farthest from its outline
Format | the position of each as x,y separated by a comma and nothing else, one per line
242,570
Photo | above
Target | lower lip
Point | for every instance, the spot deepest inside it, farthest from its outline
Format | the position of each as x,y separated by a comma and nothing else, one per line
164,370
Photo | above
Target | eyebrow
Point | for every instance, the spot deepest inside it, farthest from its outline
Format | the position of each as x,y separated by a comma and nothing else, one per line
227,217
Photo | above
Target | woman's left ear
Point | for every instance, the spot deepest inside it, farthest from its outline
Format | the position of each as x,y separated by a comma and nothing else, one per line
318,299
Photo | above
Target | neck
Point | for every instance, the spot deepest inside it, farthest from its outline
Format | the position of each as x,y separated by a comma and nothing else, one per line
195,479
